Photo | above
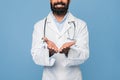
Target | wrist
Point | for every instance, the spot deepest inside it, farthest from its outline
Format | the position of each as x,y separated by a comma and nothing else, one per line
51,54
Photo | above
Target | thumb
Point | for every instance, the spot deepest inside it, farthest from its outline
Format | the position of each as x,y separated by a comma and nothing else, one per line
45,39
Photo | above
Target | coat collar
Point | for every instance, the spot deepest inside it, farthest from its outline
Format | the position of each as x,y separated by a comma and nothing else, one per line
67,25
70,17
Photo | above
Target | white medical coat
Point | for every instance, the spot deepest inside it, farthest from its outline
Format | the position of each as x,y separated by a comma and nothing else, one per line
60,67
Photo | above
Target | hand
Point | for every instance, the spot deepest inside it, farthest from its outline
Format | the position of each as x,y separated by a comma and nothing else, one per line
66,47
51,46
65,51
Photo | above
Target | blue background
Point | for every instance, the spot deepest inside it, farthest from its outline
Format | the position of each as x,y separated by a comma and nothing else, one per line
17,18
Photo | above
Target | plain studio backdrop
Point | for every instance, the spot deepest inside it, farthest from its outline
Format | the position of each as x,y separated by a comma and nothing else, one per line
17,18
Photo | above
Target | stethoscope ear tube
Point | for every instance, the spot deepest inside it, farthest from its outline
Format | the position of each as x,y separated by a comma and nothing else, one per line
44,33
45,27
73,22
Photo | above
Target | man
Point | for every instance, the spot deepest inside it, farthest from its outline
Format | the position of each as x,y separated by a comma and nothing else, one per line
60,43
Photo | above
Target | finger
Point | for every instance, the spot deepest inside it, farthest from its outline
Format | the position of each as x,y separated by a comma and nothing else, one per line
51,50
56,50
59,50
49,47
62,50
45,39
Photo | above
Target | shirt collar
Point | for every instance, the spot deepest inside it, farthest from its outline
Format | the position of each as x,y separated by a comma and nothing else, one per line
63,20
69,17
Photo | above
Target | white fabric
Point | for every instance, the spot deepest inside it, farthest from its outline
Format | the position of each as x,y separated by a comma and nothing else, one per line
60,67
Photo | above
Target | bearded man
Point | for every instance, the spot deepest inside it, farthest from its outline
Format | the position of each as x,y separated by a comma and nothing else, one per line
60,43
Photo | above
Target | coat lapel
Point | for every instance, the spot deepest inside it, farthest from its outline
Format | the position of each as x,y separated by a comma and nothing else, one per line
67,25
52,25
65,28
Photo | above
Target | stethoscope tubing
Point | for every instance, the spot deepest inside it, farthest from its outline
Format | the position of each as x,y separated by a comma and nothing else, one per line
45,23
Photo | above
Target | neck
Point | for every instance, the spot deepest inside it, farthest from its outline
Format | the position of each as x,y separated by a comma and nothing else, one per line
59,18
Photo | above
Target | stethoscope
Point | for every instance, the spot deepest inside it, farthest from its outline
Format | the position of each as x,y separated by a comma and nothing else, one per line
69,38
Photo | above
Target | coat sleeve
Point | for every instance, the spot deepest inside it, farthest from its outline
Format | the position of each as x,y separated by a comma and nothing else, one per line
79,52
39,51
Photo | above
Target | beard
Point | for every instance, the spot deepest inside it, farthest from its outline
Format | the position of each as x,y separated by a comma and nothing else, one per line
60,11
